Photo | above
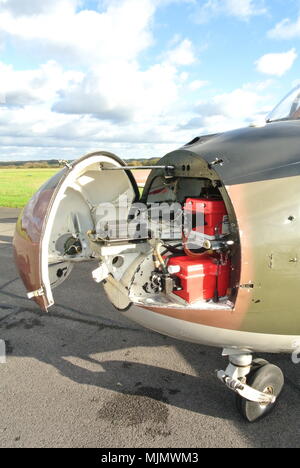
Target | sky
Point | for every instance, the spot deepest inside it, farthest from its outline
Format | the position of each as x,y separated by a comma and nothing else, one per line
139,78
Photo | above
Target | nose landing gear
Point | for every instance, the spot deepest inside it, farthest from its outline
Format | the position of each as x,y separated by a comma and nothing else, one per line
257,383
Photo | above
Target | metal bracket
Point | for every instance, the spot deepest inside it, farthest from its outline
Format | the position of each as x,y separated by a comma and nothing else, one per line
38,293
133,168
216,162
247,286
100,273
169,170
62,162
245,391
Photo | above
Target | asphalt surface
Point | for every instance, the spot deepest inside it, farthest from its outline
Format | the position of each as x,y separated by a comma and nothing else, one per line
84,376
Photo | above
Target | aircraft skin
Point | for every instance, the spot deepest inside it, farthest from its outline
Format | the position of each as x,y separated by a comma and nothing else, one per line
260,173
28,234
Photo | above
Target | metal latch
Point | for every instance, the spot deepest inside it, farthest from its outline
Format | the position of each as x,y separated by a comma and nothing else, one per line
38,293
247,286
100,274
62,162
216,162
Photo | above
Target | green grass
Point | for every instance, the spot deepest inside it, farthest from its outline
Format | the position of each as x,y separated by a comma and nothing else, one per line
18,185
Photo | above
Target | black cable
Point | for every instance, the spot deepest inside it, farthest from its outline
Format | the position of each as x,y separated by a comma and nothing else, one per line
173,249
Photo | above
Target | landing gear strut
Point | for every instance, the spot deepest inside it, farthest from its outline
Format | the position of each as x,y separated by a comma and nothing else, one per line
257,383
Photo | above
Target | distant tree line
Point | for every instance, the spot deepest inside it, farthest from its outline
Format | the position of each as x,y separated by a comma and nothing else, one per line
53,163
142,162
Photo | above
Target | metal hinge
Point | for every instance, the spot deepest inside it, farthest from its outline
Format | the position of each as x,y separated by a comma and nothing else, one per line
62,162
216,162
38,293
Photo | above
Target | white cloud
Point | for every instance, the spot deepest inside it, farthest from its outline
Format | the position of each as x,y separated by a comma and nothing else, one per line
240,9
35,7
244,9
286,29
182,54
35,131
228,111
114,88
276,64
197,84
113,104
39,86
134,95
239,104
84,37
86,117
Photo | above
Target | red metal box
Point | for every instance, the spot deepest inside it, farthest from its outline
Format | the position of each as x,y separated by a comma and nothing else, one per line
200,277
212,219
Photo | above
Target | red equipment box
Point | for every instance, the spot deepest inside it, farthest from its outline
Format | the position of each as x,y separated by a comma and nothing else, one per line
212,216
200,277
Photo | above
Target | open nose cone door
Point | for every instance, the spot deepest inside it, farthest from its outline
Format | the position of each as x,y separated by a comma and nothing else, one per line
52,230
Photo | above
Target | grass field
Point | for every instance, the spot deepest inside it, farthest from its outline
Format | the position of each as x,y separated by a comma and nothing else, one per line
18,185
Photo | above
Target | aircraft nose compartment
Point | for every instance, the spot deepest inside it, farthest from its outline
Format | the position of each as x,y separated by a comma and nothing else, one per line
176,245
193,256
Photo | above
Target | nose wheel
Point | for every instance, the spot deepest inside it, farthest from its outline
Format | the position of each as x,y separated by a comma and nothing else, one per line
257,384
267,379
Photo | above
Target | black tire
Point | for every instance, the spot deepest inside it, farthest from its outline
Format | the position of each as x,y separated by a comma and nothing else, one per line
265,377
259,362
256,364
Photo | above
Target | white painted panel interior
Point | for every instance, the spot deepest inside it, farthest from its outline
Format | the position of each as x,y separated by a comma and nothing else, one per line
76,206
